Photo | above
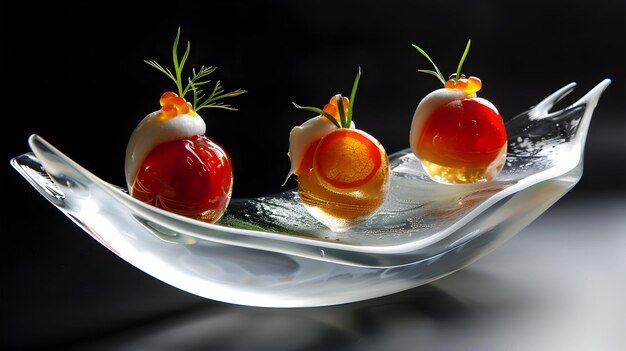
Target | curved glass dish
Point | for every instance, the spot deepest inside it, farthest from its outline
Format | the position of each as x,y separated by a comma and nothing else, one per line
270,252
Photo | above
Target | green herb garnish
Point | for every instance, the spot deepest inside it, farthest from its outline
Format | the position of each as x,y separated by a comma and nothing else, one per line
437,73
197,80
318,111
352,100
458,68
344,118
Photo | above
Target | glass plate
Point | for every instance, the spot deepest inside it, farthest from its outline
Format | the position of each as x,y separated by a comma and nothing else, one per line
269,251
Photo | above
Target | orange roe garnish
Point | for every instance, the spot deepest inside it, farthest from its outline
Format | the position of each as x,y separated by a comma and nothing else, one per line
331,107
169,111
468,86
166,96
174,105
474,84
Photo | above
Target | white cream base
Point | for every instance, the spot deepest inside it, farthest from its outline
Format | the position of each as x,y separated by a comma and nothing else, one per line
153,131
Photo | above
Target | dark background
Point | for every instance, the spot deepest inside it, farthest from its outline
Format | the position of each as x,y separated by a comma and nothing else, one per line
73,73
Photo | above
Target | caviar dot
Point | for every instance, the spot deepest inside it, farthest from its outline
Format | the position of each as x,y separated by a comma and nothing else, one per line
332,109
461,84
182,109
177,101
474,84
169,110
166,96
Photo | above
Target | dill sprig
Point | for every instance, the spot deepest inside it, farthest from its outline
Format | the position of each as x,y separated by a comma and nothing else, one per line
344,118
197,80
437,73
458,68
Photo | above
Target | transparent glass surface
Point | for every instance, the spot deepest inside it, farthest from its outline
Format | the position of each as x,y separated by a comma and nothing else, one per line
269,251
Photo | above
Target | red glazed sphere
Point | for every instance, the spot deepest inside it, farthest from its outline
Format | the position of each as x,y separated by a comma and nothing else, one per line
462,134
192,177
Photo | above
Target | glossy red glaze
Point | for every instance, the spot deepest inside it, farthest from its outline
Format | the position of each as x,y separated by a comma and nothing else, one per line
462,133
192,177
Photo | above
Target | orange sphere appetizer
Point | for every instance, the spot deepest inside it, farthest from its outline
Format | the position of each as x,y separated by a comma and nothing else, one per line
343,172
458,137
170,164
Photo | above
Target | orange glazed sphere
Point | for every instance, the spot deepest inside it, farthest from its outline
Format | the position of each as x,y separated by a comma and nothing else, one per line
343,178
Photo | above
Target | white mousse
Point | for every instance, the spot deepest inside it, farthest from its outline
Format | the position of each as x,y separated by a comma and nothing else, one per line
154,130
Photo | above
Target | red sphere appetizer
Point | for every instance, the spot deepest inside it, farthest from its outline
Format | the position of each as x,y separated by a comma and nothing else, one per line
170,164
458,137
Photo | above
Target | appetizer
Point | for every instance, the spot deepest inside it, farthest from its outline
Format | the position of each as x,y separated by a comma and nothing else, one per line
458,137
170,164
343,172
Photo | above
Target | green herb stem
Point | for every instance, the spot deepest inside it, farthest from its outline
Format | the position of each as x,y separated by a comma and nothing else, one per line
197,80
437,72
458,69
345,120
355,85
342,111
320,112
